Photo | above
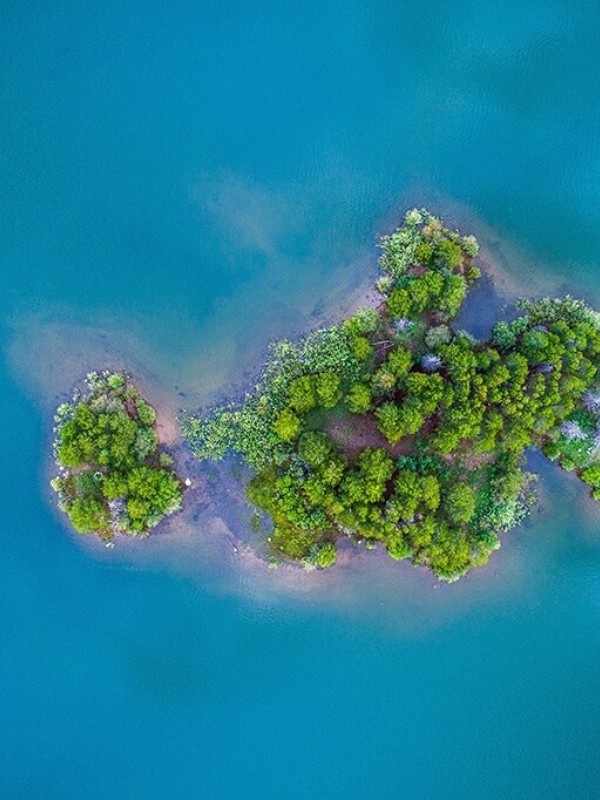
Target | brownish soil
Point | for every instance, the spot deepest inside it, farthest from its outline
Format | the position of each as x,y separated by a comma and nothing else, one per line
352,433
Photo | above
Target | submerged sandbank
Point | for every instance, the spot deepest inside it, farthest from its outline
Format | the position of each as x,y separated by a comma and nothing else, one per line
211,540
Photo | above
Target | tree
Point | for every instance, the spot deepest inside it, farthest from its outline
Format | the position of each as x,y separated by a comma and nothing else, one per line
399,303
424,254
389,422
437,336
397,546
327,385
314,448
145,412
361,348
365,321
459,503
302,395
406,498
383,381
399,362
326,555
453,295
287,425
359,398
448,253
591,475
88,514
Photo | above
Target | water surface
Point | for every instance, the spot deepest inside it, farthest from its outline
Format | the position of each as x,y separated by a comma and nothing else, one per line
182,182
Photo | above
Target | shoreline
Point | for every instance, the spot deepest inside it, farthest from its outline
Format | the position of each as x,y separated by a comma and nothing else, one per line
215,502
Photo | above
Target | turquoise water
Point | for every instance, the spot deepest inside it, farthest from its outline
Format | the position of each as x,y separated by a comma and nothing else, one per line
181,182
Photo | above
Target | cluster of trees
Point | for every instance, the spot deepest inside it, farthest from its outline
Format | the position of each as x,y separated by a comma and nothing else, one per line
112,475
256,429
437,513
431,291
462,413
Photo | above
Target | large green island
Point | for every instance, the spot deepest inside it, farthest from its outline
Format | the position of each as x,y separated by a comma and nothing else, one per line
396,428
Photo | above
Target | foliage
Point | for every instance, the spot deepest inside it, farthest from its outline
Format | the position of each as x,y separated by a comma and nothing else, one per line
249,428
459,412
112,475
437,336
359,398
287,425
459,503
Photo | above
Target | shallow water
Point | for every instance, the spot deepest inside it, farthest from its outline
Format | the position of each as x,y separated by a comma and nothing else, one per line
180,185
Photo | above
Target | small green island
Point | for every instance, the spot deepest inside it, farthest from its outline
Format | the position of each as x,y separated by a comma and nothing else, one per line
394,427
113,478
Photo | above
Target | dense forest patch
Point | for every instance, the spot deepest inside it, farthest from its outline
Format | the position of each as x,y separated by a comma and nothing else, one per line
394,427
113,478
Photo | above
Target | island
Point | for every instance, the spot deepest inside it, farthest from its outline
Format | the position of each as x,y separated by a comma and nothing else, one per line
113,478
395,428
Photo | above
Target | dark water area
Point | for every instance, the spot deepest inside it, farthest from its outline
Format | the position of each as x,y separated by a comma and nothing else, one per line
182,183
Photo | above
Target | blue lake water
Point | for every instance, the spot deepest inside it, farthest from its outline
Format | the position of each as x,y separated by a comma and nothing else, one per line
181,182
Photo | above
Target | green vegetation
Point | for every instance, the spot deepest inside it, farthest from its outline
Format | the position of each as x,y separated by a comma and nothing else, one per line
113,478
433,470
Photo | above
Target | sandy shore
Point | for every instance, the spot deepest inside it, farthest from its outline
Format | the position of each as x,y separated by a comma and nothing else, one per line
211,540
